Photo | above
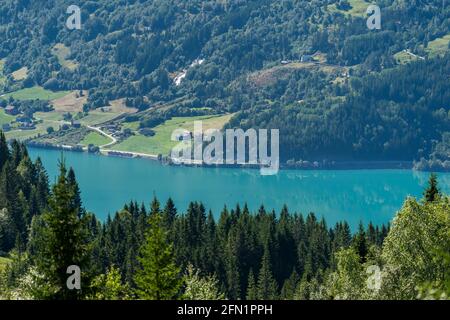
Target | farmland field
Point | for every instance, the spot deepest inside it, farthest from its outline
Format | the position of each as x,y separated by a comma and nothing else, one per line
41,128
20,74
403,57
71,102
5,118
161,143
35,93
96,139
48,119
97,117
439,46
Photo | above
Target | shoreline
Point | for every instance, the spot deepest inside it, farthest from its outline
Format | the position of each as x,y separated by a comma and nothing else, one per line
307,166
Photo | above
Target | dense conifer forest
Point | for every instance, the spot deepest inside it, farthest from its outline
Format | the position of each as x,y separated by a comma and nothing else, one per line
156,251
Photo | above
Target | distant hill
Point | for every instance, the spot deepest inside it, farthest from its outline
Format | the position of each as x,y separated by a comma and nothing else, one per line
334,88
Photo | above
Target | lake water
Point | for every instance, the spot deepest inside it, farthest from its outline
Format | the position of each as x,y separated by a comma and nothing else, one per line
107,183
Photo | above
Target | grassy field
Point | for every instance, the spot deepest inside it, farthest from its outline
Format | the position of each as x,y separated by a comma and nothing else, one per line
161,143
358,9
41,128
97,117
71,102
96,139
62,52
439,46
20,74
402,57
35,93
5,118
131,125
55,119
49,119
51,116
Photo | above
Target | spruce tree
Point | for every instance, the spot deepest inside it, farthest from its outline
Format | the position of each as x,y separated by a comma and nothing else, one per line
252,293
232,267
77,204
42,185
288,290
360,243
9,199
432,191
4,150
64,240
169,214
267,286
159,277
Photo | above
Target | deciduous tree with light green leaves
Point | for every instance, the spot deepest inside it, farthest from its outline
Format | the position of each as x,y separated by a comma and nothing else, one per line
109,286
413,250
201,288
348,281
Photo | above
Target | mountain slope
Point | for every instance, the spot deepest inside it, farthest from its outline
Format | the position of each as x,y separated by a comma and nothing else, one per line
353,101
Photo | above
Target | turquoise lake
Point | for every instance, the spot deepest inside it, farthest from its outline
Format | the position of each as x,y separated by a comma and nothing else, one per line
107,183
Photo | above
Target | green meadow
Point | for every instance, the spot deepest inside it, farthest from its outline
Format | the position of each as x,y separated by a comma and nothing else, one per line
5,118
95,138
358,9
161,142
439,46
35,93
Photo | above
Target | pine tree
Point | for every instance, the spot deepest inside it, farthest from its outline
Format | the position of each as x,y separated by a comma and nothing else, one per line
211,260
169,214
4,150
9,199
360,243
77,204
42,185
267,286
64,241
286,244
154,207
288,290
159,277
371,234
432,191
252,293
18,152
232,267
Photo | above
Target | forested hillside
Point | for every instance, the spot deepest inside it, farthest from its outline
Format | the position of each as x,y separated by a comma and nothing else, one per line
158,252
359,94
